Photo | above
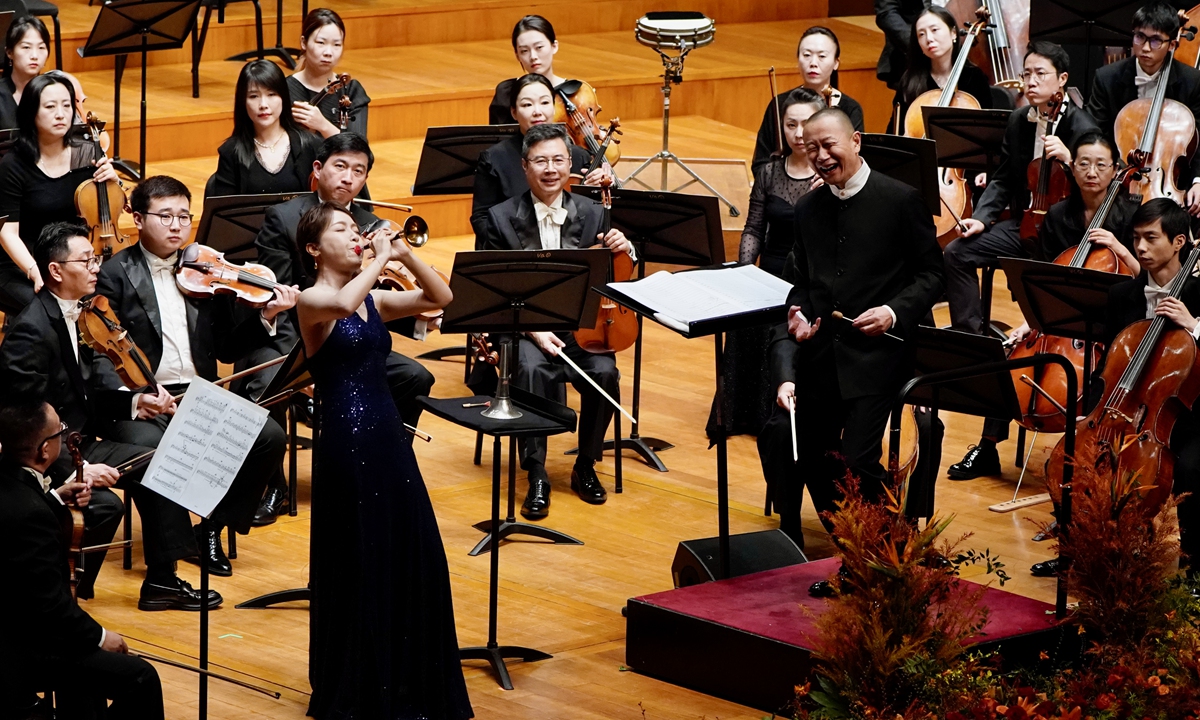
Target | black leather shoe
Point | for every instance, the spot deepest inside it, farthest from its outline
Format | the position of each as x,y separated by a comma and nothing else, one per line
274,503
210,544
537,502
822,589
587,486
175,595
978,461
1046,568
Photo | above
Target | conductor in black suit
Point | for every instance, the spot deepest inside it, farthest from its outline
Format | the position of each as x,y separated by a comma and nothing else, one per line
1115,85
341,170
184,338
49,642
865,247
548,218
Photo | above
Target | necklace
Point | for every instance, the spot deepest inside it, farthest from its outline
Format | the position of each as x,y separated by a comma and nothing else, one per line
270,147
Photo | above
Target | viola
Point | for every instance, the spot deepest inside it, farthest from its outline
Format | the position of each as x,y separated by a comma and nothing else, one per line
338,84
1048,179
1157,133
1152,373
73,523
1037,412
575,104
203,272
616,326
101,204
956,196
100,329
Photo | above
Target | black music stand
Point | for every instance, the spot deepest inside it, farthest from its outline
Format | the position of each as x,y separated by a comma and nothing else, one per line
125,26
670,228
287,55
1085,25
909,160
717,327
230,223
450,154
966,138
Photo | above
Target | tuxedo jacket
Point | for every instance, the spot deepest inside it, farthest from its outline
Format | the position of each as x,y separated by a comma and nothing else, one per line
512,225
44,619
1113,88
879,247
1009,186
276,239
214,330
1127,303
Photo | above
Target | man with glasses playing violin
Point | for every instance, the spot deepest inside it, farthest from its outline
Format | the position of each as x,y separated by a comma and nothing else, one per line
1155,26
184,338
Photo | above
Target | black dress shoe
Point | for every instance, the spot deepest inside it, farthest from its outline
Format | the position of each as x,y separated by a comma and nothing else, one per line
587,486
537,502
1046,568
210,544
980,460
274,503
176,594
831,588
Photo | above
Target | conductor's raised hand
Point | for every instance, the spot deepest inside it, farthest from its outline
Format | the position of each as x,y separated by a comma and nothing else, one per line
799,327
785,396
875,321
616,241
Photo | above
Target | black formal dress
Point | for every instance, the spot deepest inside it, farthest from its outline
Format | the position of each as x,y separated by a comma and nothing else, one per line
246,176
1127,305
499,177
875,248
8,103
30,197
512,225
895,18
767,238
973,82
1064,226
329,104
383,643
50,642
768,138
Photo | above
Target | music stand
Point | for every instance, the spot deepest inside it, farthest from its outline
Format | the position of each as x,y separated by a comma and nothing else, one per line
1085,23
230,223
966,138
450,154
125,26
669,228
909,160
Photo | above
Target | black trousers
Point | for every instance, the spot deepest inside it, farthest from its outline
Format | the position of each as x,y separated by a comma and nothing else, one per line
547,377
83,686
833,435
16,291
963,258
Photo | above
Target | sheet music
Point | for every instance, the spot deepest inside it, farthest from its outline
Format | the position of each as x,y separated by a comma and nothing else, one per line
685,297
204,447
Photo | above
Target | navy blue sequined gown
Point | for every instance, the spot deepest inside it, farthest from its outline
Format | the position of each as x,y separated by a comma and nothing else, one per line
383,644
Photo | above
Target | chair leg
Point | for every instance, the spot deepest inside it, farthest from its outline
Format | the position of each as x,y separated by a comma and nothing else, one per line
478,447
127,553
58,58
232,543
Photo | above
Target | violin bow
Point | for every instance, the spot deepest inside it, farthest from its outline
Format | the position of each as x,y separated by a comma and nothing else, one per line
778,116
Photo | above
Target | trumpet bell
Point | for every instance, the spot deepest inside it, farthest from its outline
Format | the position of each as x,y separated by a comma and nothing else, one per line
416,231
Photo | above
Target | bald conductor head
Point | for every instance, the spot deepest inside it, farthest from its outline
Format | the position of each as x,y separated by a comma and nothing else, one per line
832,145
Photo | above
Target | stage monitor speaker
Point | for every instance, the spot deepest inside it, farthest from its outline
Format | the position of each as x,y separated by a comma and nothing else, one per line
696,561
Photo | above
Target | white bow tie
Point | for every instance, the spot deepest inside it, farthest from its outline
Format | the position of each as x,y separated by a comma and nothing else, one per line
1140,79
557,215
158,265
1156,295
72,314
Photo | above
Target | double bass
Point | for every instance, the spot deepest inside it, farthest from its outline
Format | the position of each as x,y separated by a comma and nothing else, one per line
956,196
1157,133
1002,54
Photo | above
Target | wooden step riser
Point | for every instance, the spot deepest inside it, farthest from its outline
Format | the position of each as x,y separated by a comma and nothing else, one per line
409,27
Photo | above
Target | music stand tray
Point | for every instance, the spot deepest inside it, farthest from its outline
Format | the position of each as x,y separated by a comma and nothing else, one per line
910,160
230,223
966,138
450,154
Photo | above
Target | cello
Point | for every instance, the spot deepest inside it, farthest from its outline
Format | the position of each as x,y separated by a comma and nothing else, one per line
1156,133
1048,181
956,196
1151,375
95,203
1037,412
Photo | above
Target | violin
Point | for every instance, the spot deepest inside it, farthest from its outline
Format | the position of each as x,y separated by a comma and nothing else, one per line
1152,373
610,136
1037,412
1048,180
575,104
483,349
73,524
202,272
96,203
338,84
100,329
617,326
1156,133
956,196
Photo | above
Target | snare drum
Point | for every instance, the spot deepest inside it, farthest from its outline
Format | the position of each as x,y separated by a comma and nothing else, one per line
674,30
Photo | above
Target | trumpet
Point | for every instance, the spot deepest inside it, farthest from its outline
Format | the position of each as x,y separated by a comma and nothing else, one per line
415,230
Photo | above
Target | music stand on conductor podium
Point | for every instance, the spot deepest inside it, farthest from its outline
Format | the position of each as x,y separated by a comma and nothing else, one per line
513,291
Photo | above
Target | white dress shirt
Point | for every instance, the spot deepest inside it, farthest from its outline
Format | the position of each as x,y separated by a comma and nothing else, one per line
550,219
176,366
1146,84
70,313
1044,127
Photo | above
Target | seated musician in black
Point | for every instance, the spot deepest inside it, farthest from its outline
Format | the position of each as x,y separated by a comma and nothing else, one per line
1117,84
865,246
818,56
547,218
49,642
184,338
42,358
932,52
987,237
343,163
1160,239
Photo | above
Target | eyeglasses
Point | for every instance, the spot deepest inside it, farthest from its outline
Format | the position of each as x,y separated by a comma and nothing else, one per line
1085,165
62,430
1155,42
1041,75
93,262
541,163
185,220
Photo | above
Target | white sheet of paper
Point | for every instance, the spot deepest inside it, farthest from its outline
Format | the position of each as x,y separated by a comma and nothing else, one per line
680,298
204,447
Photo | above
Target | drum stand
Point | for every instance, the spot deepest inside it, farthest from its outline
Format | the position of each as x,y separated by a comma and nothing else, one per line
673,75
